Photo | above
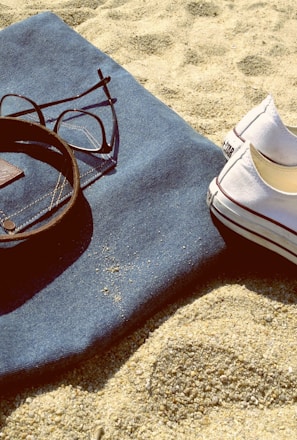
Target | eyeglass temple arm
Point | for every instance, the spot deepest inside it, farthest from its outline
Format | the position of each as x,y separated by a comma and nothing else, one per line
99,71
102,83
114,116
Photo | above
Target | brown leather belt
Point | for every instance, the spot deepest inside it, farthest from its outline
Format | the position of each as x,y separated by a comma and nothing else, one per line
15,131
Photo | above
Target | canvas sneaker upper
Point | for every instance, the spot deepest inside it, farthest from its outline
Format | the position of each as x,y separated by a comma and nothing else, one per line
263,127
256,198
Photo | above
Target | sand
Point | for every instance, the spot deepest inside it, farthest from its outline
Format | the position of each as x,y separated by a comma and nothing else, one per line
222,362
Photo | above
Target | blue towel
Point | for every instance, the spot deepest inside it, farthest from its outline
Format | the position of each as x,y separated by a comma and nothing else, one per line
139,236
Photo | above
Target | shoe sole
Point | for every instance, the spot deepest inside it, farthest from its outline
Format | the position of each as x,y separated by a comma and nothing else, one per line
251,225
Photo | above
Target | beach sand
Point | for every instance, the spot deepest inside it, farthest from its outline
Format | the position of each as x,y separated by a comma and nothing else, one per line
221,363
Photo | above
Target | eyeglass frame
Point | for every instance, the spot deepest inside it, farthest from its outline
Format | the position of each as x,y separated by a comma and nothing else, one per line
106,147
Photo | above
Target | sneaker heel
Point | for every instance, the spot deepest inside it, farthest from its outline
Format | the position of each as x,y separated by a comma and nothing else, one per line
231,144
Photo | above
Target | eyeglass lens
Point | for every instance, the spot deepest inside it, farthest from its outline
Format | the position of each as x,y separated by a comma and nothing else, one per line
14,104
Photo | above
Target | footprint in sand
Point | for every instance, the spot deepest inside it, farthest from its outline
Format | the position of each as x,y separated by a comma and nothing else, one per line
192,378
151,43
72,12
255,65
202,9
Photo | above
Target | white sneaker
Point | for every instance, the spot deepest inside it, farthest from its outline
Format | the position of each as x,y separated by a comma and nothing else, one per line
257,199
263,127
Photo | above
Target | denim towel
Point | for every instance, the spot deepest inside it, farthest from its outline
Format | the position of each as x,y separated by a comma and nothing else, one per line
140,234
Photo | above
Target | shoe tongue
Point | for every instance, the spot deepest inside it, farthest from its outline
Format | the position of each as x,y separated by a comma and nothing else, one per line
280,177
